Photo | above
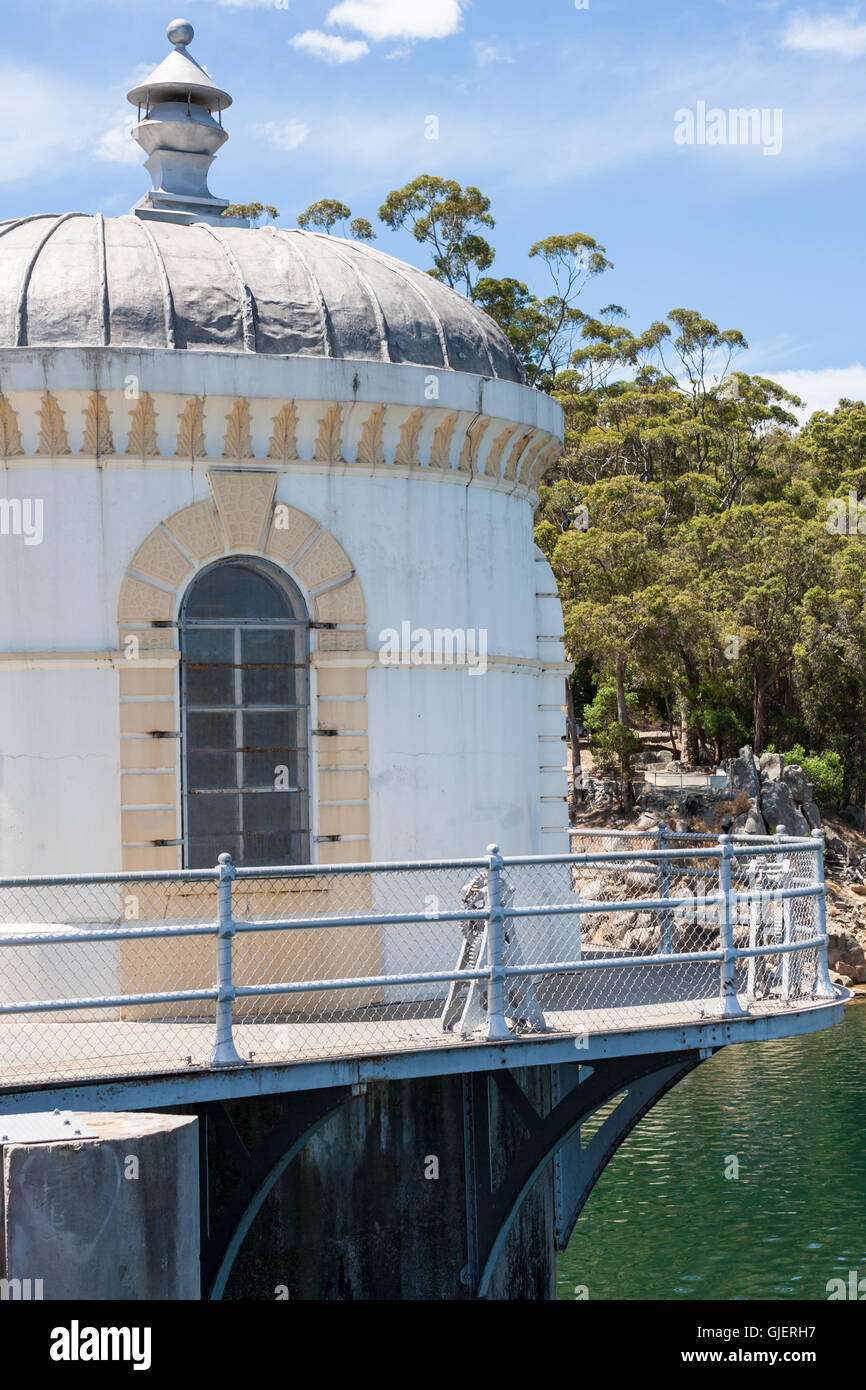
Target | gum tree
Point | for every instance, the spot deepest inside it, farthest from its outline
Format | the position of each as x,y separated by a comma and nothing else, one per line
448,219
327,212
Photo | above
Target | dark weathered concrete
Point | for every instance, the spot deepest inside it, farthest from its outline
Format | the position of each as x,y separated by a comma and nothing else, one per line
355,1216
112,1214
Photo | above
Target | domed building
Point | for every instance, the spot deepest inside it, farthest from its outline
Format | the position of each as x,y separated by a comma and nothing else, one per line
268,577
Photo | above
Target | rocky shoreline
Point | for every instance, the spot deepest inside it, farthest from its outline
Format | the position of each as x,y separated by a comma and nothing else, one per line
762,794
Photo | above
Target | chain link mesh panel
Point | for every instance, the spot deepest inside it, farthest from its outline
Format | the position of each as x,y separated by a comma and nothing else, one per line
94,962
325,962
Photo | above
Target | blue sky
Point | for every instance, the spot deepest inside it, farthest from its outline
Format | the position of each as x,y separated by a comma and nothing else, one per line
564,114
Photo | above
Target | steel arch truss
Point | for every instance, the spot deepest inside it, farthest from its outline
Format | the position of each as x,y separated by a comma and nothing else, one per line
577,1092
301,1115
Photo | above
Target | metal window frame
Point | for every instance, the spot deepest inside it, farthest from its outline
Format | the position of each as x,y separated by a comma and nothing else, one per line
300,623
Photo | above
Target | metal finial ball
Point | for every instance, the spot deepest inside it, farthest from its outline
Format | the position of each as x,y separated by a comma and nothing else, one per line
180,32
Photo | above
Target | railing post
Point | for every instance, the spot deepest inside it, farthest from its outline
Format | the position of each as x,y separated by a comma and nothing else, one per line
823,984
496,1027
729,1006
224,1053
666,938
755,920
778,906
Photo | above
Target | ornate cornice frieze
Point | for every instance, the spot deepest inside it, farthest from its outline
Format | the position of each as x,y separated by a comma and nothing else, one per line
161,429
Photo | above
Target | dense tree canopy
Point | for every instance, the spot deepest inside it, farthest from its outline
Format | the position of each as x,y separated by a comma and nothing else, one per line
730,585
710,552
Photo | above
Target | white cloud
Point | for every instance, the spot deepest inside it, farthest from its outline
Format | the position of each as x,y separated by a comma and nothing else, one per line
116,145
842,35
282,135
489,53
399,19
824,388
330,47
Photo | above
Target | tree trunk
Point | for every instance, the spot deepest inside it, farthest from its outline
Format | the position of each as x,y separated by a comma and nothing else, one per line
688,735
671,735
573,743
621,706
760,713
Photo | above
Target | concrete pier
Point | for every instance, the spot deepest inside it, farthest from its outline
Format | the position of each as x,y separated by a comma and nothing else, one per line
99,1206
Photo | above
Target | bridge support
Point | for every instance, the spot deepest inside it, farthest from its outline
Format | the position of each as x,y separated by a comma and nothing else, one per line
448,1187
493,1201
297,1118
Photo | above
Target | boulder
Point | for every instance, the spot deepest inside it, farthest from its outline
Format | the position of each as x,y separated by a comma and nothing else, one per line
778,807
846,946
851,974
812,814
772,767
656,757
647,821
797,783
643,939
744,773
854,814
749,822
754,822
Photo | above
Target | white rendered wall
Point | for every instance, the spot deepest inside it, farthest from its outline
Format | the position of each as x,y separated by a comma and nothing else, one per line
455,760
453,756
59,771
440,554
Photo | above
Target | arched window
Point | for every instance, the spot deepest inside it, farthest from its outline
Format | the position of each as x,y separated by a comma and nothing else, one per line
245,717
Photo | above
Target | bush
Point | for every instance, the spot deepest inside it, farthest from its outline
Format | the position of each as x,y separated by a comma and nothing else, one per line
826,774
737,806
824,771
602,711
614,750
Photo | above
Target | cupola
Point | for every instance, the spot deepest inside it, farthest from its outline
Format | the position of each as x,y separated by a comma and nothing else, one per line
180,130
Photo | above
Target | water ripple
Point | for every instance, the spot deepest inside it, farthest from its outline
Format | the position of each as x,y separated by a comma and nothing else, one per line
664,1222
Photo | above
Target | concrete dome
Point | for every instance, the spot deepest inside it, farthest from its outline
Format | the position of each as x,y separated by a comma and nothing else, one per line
81,280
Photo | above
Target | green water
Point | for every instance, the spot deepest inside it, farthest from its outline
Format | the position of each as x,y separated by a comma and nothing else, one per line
665,1223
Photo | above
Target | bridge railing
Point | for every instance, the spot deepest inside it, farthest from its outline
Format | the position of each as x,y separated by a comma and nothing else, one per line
115,974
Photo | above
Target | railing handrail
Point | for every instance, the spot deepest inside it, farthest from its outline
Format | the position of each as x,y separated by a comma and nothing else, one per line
299,871
493,965
579,907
